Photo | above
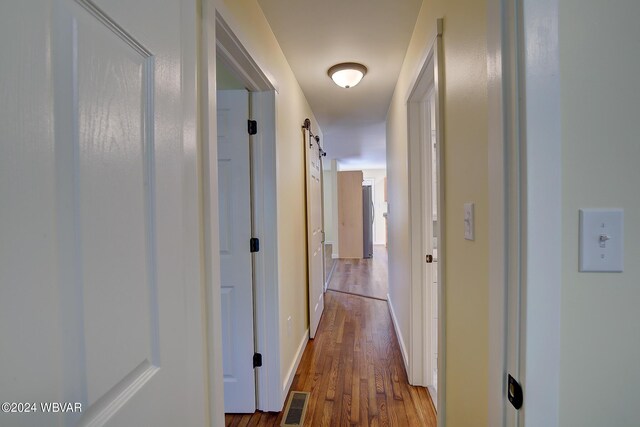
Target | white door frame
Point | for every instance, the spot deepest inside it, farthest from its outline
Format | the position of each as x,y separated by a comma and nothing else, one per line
217,38
501,112
525,144
428,77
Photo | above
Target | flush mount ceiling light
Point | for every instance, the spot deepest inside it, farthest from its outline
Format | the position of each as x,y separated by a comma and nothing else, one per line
347,74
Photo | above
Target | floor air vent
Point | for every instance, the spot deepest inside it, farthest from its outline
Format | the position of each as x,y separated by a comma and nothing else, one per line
296,409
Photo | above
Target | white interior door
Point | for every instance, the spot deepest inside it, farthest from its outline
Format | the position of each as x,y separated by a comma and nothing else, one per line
234,192
99,294
430,208
430,197
315,233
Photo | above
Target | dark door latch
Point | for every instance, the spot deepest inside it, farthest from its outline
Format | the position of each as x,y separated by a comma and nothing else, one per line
514,392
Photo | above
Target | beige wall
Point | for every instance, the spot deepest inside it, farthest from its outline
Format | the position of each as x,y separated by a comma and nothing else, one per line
249,24
465,166
600,104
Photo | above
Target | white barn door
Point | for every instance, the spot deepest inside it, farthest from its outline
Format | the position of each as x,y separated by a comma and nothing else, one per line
99,270
315,232
234,193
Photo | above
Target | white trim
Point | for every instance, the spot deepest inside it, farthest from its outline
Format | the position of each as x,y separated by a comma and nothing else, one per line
497,90
291,373
238,59
194,271
209,219
422,63
396,327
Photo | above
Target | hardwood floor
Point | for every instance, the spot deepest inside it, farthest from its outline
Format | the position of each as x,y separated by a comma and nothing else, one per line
366,277
354,371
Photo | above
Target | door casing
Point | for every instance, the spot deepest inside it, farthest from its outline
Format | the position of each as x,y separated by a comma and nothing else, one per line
525,208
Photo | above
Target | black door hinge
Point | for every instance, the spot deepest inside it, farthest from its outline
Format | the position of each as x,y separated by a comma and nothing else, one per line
252,127
257,360
254,244
514,392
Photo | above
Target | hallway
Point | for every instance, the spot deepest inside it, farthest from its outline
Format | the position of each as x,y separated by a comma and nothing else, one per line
354,371
366,277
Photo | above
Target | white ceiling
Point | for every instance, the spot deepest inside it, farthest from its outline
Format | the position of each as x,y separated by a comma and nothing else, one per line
316,34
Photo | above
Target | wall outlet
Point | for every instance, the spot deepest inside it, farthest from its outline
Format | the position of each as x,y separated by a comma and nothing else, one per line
469,228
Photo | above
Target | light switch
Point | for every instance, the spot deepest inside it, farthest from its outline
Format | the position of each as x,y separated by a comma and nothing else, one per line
601,240
469,232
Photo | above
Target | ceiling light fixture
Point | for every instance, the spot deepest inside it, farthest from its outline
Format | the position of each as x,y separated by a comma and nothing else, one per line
347,74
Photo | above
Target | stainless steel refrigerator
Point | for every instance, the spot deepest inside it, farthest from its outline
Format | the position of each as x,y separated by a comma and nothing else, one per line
368,213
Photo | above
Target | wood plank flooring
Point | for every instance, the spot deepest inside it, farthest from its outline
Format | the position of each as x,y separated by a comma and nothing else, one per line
354,372
367,277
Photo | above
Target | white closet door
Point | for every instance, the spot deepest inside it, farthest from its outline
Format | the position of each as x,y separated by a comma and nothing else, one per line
234,192
314,234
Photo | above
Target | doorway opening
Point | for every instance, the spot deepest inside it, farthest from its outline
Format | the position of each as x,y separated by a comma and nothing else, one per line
219,44
425,159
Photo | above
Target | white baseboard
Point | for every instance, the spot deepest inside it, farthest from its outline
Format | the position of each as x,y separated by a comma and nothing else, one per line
294,366
403,348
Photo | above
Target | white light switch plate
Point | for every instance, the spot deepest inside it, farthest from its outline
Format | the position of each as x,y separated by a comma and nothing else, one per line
601,240
469,229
